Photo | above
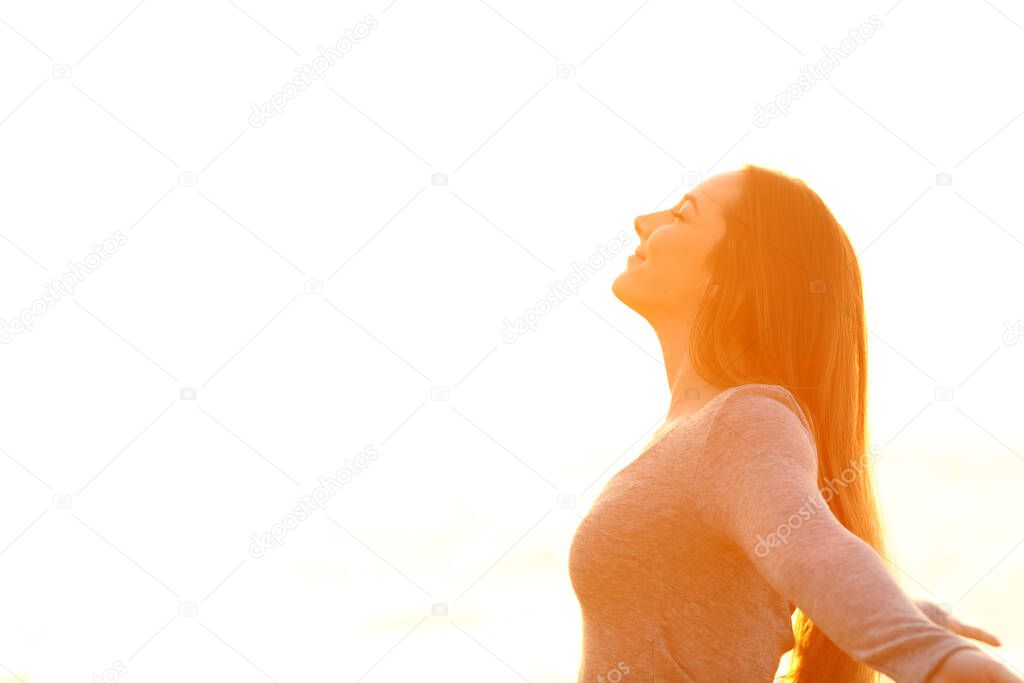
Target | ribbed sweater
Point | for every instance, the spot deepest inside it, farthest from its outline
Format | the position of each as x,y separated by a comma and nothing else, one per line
691,560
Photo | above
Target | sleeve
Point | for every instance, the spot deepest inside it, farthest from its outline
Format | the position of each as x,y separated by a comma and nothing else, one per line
757,486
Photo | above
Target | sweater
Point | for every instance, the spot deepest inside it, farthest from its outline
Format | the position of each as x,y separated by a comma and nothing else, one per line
689,564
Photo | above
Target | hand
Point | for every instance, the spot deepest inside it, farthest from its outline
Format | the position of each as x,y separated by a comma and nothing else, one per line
972,666
959,628
951,623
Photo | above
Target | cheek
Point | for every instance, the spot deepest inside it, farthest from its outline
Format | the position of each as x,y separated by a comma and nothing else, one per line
677,264
666,246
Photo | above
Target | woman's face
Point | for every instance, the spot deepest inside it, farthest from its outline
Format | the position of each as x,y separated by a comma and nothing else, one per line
669,272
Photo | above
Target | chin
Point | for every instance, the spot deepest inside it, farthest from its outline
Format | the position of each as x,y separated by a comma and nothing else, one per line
626,291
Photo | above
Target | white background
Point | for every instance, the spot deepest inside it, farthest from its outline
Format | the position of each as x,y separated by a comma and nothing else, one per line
127,512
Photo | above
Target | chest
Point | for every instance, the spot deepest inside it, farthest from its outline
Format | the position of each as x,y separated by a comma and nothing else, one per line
641,528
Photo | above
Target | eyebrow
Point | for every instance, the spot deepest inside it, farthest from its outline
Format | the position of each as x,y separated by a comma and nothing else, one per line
693,199
696,209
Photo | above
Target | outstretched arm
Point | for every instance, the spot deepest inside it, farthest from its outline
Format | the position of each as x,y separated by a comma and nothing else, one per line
757,485
965,665
970,666
951,623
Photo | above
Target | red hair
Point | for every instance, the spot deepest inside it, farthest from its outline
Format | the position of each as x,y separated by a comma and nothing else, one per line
786,307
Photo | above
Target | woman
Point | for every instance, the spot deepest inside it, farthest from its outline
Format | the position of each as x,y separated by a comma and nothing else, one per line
753,500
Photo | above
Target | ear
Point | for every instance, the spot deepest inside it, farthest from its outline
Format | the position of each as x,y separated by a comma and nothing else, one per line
711,286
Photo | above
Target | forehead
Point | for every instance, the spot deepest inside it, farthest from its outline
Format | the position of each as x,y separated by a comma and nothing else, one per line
718,190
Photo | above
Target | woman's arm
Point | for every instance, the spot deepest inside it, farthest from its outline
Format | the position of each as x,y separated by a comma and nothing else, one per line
965,665
970,666
757,484
951,623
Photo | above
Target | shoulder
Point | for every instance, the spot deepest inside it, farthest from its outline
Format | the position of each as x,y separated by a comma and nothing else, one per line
759,403
762,419
757,450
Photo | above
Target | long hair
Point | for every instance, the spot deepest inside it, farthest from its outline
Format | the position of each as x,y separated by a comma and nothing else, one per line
785,306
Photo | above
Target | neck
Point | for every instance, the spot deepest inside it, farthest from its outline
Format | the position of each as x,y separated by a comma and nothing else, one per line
689,391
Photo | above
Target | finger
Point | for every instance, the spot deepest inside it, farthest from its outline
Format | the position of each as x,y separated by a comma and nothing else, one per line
975,633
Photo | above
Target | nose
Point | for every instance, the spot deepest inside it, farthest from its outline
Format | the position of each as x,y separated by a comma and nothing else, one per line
638,226
649,222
